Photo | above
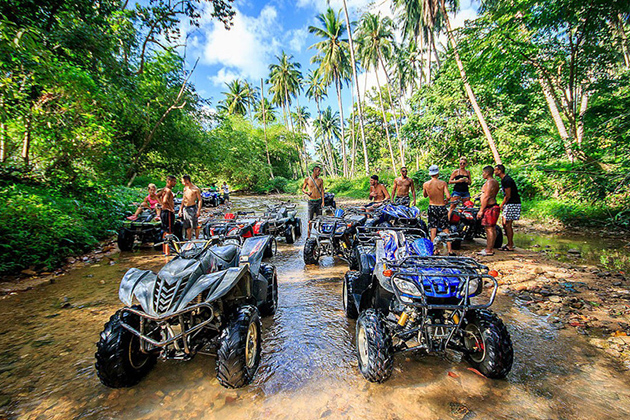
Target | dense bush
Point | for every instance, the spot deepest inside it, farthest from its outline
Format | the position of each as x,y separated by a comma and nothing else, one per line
41,226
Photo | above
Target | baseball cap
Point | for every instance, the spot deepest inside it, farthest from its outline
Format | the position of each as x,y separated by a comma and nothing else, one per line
433,170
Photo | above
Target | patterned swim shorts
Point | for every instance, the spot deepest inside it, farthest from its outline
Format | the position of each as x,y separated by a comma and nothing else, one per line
438,217
512,211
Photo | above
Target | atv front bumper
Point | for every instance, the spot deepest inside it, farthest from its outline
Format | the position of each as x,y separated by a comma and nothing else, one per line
166,321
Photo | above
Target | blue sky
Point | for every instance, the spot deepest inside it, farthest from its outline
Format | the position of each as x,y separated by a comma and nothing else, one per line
262,29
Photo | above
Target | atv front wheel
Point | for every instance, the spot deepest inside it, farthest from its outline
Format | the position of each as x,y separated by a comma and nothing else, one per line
311,251
488,343
298,227
270,305
349,307
119,361
126,240
238,355
272,248
289,234
353,259
374,347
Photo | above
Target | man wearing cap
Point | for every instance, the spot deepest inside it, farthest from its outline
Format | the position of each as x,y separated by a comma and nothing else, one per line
378,192
437,191
402,185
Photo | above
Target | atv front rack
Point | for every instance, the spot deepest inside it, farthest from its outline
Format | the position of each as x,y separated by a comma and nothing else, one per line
163,320
466,268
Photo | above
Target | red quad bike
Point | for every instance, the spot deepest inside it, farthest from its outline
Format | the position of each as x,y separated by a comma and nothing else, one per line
235,229
464,225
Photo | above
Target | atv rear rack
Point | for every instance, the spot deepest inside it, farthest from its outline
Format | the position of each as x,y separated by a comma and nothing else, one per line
162,320
468,268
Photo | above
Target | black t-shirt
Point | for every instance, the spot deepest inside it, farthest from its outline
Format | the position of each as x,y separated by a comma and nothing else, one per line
508,182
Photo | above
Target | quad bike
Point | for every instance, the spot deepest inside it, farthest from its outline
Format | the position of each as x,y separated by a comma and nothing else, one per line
407,300
465,225
280,220
329,200
391,215
333,236
234,229
206,300
145,229
211,198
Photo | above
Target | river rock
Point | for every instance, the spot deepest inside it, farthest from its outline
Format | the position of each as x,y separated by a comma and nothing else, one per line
555,299
539,271
574,252
29,272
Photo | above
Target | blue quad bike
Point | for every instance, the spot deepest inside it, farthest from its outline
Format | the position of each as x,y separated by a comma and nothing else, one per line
211,198
405,299
391,215
208,300
333,236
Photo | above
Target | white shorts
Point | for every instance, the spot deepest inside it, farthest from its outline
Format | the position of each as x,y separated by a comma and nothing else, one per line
512,211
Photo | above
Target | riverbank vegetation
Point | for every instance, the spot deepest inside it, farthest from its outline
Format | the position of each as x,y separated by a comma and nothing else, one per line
97,97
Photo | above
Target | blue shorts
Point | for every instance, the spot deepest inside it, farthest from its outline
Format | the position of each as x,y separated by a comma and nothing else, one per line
461,194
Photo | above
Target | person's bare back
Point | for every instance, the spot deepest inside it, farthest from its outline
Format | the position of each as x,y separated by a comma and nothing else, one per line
436,190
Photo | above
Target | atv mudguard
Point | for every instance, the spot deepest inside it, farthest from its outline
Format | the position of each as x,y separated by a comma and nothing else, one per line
139,283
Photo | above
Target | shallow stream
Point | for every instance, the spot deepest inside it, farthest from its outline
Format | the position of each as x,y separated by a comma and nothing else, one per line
308,368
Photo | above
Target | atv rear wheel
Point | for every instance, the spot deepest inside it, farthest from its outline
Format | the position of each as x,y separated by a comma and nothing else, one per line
289,234
270,305
498,241
119,361
374,347
456,244
238,355
272,248
126,239
353,259
311,251
298,227
488,343
349,307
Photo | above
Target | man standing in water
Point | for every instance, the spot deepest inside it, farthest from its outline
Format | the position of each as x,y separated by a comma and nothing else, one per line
402,185
168,205
226,192
437,191
511,205
191,206
489,211
313,187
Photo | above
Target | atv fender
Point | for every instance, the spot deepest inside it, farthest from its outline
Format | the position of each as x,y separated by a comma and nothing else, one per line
229,279
253,251
139,283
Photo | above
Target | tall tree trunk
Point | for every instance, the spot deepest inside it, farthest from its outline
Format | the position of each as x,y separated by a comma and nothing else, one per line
356,84
3,142
580,119
262,105
343,137
624,40
557,118
26,144
389,94
429,44
389,140
435,51
469,91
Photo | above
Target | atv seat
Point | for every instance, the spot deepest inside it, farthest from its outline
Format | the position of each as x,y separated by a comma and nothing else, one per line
226,253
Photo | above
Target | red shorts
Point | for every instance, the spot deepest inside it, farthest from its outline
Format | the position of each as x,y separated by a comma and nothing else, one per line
490,216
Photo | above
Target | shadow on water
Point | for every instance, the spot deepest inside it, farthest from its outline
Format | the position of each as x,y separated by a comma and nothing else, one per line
308,368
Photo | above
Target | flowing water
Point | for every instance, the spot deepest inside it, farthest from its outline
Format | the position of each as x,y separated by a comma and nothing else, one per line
308,368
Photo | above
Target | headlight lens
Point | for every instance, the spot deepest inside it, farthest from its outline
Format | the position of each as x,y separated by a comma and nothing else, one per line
473,286
406,286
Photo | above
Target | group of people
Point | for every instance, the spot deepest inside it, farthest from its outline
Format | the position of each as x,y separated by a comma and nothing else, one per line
441,201
163,203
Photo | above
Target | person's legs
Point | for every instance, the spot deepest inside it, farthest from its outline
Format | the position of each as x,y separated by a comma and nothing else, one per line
448,243
491,236
509,233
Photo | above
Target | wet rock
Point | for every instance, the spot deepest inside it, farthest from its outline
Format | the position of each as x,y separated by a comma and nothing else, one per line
539,270
574,252
616,283
71,260
42,341
29,272
230,399
325,413
460,411
112,262
102,281
555,299
89,276
64,302
159,394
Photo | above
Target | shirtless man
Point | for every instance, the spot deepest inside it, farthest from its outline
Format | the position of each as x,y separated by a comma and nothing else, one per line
313,187
489,211
402,185
378,192
191,206
437,191
168,205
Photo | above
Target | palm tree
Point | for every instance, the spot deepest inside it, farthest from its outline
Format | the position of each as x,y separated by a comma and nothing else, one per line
430,13
327,127
316,88
301,116
356,84
237,98
332,57
373,36
285,78
265,114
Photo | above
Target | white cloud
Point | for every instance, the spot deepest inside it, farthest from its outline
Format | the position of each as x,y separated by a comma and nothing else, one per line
298,39
245,50
353,5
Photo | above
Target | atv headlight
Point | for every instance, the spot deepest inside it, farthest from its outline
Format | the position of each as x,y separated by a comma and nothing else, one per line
473,287
406,286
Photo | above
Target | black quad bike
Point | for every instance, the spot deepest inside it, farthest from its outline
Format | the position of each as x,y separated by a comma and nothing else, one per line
280,220
333,236
235,229
206,300
405,299
145,229
465,226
